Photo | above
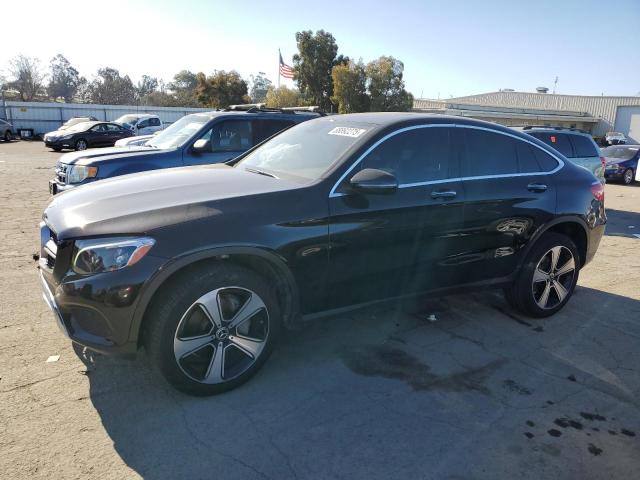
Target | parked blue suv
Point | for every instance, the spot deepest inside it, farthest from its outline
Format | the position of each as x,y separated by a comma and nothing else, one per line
200,138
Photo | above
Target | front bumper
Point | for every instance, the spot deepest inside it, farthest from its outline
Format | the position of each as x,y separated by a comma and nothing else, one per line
57,143
614,174
94,311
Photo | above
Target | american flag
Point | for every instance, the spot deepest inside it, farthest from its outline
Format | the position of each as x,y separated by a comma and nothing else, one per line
285,70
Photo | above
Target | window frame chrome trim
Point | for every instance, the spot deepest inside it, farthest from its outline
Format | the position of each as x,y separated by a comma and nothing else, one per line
334,194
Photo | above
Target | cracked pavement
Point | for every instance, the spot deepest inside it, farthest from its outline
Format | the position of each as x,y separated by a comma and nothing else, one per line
482,392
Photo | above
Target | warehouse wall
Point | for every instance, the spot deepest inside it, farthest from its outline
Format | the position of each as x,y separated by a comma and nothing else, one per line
45,117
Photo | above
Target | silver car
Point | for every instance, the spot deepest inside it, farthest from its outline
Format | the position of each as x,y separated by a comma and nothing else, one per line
577,145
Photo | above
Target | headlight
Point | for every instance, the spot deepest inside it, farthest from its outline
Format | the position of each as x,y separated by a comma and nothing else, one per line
80,173
66,137
109,254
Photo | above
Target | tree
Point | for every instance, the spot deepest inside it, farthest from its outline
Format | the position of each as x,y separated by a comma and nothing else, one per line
28,78
221,89
64,80
183,88
313,63
283,97
259,86
109,88
386,86
350,87
146,86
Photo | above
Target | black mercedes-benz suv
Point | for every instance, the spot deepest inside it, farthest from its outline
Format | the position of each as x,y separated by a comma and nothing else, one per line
203,265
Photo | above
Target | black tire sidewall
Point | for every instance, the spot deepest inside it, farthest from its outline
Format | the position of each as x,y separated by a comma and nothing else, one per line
167,315
624,176
522,294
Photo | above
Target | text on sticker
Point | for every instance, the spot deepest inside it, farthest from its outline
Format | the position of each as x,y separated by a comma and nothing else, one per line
347,131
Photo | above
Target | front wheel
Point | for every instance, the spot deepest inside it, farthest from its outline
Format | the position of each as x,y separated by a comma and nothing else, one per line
212,329
81,144
8,136
547,278
627,177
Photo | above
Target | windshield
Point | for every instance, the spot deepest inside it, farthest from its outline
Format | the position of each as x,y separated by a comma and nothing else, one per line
621,153
130,119
305,151
179,132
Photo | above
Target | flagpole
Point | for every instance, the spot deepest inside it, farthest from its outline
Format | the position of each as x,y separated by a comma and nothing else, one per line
279,55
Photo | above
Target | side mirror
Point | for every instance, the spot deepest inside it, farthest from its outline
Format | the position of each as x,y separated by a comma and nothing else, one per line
202,145
372,180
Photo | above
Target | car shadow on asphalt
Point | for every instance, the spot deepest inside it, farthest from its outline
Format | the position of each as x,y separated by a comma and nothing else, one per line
336,394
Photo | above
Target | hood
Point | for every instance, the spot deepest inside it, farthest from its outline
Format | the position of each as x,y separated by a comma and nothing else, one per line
56,133
96,156
142,202
616,161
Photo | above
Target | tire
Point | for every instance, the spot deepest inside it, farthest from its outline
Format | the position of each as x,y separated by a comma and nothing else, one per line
57,149
8,136
81,144
628,176
196,352
527,294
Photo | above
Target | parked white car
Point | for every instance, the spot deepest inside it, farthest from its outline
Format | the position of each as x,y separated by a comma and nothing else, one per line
134,141
141,123
615,138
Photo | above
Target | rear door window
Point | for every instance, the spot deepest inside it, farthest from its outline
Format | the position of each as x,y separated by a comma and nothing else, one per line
559,141
488,153
154,122
583,146
267,128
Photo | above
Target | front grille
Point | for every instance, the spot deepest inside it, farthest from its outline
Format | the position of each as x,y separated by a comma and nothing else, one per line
61,172
48,247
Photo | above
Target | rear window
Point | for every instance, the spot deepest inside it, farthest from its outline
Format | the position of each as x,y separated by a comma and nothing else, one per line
558,141
584,146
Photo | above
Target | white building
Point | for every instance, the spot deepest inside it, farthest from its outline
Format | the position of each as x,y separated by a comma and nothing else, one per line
595,114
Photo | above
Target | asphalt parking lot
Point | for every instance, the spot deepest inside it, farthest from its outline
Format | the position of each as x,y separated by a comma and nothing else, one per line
480,392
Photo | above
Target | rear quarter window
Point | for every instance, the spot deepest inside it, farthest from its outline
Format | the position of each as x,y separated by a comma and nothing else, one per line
584,146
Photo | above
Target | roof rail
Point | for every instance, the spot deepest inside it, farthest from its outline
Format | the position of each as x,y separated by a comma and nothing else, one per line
529,127
261,107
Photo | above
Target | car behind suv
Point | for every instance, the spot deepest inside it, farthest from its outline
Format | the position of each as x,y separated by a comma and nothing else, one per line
200,138
6,131
576,145
141,123
203,265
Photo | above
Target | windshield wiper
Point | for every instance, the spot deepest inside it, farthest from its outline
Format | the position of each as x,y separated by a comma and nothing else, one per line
260,172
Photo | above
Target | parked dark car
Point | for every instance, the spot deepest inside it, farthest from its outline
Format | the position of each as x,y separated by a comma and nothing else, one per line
6,131
200,138
203,265
86,135
622,162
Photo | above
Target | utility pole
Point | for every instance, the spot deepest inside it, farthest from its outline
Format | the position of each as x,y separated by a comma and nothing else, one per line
555,84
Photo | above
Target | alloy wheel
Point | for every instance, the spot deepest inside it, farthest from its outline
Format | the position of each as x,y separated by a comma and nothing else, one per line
553,277
628,176
81,145
221,335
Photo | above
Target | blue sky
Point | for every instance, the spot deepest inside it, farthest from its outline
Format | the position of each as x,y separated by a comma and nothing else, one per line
449,48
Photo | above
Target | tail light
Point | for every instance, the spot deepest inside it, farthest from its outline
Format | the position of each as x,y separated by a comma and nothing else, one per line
597,190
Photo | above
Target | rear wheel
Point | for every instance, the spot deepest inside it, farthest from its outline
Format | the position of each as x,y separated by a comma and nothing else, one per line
627,177
213,329
547,278
81,144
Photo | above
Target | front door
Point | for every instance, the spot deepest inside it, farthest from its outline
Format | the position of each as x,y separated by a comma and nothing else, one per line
226,140
387,245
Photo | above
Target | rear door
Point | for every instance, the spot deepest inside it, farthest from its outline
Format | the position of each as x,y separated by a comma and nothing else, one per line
227,139
509,194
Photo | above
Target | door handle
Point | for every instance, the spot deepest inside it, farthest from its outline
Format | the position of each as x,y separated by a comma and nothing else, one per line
443,194
537,187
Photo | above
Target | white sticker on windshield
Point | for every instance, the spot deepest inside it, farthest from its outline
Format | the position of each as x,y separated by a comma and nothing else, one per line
347,131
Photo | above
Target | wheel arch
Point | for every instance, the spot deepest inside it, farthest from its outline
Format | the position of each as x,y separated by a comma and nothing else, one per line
264,262
573,227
